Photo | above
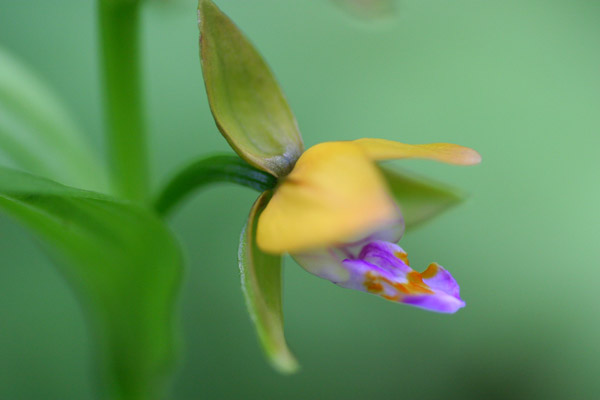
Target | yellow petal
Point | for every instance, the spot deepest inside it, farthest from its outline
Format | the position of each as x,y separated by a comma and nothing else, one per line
333,195
381,149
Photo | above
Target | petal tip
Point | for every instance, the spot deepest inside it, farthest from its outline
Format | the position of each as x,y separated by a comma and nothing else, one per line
284,363
473,157
457,154
437,303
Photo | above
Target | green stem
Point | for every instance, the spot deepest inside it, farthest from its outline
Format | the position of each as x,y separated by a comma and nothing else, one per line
215,169
119,29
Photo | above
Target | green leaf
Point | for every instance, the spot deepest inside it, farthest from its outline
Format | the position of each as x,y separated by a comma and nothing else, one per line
123,263
420,199
261,283
246,101
38,135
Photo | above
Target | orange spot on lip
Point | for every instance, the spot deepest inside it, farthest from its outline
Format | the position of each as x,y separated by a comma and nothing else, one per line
402,256
378,284
395,297
372,283
374,287
415,281
431,271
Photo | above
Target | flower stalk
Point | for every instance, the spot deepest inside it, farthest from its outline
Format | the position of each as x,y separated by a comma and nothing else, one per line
118,22
214,169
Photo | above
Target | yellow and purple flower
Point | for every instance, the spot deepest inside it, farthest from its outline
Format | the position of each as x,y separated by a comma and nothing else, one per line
335,215
332,208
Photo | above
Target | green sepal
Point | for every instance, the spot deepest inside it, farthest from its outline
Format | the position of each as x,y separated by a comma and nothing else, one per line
420,199
245,99
261,284
124,265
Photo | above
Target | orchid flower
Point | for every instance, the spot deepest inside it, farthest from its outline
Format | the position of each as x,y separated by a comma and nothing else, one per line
332,207
335,215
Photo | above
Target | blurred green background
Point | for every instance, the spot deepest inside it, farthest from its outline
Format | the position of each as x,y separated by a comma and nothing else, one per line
518,80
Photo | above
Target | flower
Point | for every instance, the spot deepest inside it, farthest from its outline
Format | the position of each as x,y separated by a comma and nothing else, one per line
332,208
335,215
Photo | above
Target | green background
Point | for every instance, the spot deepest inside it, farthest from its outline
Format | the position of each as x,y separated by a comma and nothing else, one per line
518,80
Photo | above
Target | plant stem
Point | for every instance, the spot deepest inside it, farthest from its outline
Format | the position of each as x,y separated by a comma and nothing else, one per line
214,169
118,23
119,47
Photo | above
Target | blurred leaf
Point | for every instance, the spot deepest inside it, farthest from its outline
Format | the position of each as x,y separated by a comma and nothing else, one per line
38,135
261,283
246,101
123,262
368,8
420,199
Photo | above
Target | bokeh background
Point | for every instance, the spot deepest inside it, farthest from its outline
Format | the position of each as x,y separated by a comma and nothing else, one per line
518,80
